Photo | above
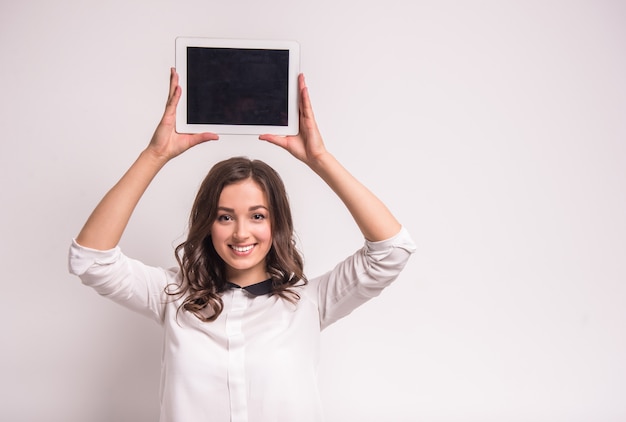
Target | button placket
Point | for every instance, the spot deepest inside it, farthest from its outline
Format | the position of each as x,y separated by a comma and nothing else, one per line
236,357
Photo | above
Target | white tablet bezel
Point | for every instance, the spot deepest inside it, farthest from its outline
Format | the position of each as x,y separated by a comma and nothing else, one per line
225,129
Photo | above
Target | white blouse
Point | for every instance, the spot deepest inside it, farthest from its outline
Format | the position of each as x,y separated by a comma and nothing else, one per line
257,362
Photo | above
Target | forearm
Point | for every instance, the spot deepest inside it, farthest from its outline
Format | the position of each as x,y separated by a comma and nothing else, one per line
106,224
372,216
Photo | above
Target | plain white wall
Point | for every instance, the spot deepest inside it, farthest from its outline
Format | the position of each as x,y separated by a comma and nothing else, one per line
495,130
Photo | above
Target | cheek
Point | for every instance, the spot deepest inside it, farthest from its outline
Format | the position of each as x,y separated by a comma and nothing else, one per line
217,234
262,234
267,233
217,239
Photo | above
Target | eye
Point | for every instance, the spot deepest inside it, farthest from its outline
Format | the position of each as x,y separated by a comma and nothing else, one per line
258,216
224,217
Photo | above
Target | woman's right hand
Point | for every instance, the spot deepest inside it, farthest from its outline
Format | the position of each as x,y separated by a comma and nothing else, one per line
166,143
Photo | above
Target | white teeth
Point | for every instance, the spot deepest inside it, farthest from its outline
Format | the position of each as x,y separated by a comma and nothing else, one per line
242,248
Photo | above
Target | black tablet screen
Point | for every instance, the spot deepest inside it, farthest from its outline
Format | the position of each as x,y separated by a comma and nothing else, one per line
237,86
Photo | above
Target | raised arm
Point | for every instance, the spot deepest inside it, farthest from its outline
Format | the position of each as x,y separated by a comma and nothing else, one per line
372,216
106,224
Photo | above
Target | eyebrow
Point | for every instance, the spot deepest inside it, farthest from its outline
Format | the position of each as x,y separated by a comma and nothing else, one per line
252,208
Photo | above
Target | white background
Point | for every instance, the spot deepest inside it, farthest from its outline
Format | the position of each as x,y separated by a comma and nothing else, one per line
495,130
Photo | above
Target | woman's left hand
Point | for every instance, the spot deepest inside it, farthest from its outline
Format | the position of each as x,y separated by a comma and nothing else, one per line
307,145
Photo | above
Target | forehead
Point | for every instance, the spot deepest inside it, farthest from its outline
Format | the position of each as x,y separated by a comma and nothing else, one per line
245,193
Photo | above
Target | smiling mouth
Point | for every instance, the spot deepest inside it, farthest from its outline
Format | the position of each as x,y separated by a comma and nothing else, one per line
242,248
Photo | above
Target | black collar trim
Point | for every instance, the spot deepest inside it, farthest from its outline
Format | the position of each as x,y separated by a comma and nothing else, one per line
258,289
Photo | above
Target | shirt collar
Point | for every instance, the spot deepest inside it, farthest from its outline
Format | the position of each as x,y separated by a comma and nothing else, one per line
258,289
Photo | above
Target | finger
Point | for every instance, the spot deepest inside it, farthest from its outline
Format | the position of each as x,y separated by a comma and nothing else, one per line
199,138
173,82
174,92
172,102
280,141
305,103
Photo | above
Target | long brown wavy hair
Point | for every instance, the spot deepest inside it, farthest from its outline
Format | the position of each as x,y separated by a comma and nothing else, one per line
203,270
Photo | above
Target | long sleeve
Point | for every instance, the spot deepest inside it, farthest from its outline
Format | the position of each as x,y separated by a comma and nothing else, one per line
126,281
362,276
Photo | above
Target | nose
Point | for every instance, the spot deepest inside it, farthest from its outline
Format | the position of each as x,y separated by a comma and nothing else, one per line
241,231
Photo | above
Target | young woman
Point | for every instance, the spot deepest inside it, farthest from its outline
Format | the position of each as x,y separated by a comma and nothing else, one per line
241,321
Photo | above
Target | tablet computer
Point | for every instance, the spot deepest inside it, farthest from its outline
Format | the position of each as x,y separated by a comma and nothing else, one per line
237,86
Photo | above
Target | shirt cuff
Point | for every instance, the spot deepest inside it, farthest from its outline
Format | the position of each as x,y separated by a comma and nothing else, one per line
382,248
81,258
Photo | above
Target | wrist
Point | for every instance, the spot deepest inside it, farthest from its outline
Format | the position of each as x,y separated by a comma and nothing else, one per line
321,161
327,167
153,157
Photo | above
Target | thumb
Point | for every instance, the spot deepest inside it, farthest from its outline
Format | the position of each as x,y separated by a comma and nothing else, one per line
200,138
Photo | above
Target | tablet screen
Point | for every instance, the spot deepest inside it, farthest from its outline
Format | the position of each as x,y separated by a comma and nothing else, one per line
237,86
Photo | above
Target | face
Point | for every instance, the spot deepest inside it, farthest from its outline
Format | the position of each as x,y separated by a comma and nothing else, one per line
242,232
